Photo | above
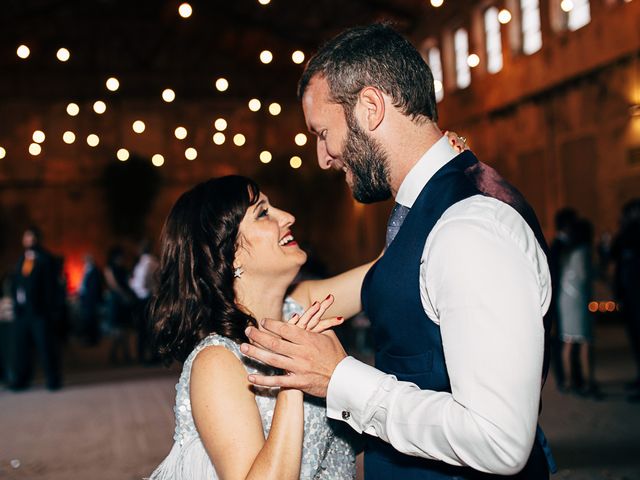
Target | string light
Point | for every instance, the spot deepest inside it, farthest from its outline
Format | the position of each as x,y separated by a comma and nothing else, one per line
191,153
297,56
437,3
220,124
168,95
180,133
295,162
566,5
38,136
157,160
112,84
93,140
35,149
437,86
254,104
504,16
68,137
222,84
239,139
473,60
63,54
300,139
218,138
99,107
138,126
264,2
275,109
23,51
73,109
265,156
3,153
185,10
266,56
122,154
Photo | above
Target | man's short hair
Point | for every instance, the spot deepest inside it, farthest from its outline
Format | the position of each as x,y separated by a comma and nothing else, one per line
375,56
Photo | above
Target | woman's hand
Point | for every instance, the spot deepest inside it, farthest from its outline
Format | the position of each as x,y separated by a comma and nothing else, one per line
312,320
457,142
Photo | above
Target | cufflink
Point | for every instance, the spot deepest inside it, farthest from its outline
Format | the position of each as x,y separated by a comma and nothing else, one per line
346,415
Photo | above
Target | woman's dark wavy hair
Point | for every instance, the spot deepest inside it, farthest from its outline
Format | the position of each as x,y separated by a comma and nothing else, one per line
199,239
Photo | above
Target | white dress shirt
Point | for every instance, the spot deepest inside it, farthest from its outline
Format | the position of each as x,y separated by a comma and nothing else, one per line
485,281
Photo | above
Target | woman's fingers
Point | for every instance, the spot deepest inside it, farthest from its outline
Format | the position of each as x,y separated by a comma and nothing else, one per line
326,324
324,305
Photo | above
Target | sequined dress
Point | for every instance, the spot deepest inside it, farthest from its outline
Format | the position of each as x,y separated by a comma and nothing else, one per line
328,447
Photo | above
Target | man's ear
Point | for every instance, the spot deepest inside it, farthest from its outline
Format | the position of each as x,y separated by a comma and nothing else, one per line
371,108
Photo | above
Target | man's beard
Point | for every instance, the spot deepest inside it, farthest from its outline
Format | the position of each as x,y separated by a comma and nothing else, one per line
368,163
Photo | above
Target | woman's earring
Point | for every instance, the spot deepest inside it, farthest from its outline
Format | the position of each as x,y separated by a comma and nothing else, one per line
237,272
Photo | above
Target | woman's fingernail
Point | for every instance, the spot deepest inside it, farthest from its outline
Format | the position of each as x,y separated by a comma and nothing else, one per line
247,331
328,297
252,379
340,318
314,304
244,348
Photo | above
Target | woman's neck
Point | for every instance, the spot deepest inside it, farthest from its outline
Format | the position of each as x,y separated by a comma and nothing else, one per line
261,299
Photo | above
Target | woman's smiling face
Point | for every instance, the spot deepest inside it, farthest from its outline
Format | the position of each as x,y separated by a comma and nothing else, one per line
266,245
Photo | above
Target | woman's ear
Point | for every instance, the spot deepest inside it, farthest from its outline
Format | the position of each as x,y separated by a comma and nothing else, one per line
370,108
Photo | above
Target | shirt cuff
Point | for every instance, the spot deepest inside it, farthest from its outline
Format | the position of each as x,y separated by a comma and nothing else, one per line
350,389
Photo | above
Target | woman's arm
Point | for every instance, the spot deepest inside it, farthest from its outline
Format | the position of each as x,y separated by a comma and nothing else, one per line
344,287
228,421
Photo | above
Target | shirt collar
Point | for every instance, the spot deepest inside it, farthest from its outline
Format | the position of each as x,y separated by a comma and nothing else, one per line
433,160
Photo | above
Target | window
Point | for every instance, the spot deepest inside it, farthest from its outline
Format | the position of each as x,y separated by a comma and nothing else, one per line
579,15
433,59
461,46
531,34
493,39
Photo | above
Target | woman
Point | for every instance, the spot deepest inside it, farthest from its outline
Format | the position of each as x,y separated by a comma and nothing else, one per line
228,258
119,301
576,322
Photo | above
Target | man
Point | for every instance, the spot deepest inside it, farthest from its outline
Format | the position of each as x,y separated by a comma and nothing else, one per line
456,301
34,296
143,282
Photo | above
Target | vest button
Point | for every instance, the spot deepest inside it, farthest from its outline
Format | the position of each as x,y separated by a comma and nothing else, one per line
346,415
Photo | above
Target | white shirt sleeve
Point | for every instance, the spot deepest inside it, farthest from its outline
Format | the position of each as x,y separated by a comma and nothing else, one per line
487,286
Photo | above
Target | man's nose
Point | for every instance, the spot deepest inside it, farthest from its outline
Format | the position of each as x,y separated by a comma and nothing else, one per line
324,159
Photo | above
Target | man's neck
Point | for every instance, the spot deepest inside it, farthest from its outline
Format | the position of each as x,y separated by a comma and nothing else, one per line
415,140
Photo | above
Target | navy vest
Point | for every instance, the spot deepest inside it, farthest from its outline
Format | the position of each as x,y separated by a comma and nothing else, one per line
408,343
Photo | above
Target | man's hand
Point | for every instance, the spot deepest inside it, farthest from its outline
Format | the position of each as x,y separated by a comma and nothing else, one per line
309,357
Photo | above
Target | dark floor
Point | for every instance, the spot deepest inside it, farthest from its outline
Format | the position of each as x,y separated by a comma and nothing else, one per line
116,422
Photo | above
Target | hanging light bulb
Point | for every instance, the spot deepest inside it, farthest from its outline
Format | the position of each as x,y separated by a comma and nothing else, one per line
23,51
122,154
157,160
185,10
191,153
93,140
99,107
266,56
295,162
265,156
239,139
254,104
138,126
112,84
180,133
38,136
73,109
168,95
35,149
300,139
63,54
222,84
297,56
